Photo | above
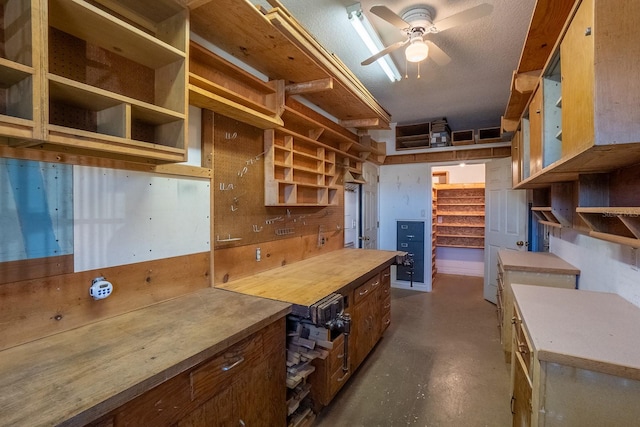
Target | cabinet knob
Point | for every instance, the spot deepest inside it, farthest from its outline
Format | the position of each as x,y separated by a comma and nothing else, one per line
587,31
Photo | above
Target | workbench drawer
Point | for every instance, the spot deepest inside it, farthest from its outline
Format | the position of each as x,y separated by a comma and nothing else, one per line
336,354
366,289
385,322
218,373
522,343
385,276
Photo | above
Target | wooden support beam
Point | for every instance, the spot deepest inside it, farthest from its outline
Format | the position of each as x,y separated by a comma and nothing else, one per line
509,125
526,82
315,133
361,123
309,87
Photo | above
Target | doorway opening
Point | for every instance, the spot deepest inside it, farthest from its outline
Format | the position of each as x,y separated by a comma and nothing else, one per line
458,220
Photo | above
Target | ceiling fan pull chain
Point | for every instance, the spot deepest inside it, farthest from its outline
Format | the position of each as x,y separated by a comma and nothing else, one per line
418,70
406,68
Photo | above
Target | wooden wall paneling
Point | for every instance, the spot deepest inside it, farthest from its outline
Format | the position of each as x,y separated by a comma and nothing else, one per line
207,123
15,271
237,262
37,308
623,188
70,157
241,217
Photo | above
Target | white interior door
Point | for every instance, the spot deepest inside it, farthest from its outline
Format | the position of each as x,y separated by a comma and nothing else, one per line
369,209
505,221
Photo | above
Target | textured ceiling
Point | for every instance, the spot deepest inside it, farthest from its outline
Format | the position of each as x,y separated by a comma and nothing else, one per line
471,91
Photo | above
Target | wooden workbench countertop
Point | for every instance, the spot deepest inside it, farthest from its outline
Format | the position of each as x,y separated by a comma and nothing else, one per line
542,262
590,330
308,281
74,377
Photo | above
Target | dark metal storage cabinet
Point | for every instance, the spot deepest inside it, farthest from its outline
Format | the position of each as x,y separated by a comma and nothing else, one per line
411,240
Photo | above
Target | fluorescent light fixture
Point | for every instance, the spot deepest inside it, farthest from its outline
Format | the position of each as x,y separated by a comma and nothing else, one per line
371,39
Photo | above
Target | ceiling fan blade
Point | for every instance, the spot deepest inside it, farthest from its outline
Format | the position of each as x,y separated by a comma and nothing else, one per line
388,15
438,55
463,17
383,52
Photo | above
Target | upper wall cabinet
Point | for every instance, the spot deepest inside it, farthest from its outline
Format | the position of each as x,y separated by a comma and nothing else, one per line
587,98
18,61
107,77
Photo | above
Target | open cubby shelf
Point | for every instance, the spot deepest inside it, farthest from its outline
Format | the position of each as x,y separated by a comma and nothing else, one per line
614,224
459,212
299,172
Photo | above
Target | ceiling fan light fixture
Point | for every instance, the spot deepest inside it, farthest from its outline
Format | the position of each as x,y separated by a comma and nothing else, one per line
417,51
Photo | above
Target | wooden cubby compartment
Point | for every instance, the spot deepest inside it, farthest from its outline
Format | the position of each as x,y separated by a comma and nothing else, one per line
610,205
225,88
462,137
460,214
299,172
17,69
488,135
554,206
413,136
117,78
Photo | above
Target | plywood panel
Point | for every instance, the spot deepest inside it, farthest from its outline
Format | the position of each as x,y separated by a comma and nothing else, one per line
37,308
240,215
36,210
124,217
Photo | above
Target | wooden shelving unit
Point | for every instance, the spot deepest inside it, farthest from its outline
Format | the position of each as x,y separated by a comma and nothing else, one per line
548,216
222,87
614,224
299,171
116,84
460,215
18,62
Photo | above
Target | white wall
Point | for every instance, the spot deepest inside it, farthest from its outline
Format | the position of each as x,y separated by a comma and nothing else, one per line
604,266
405,195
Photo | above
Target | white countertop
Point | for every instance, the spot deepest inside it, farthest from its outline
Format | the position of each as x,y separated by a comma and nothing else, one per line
589,330
543,262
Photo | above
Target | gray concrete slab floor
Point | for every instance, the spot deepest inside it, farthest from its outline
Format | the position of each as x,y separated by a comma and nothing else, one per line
439,364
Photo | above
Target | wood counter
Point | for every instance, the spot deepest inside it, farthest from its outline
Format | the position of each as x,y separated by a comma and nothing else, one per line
542,262
308,281
575,359
589,330
75,377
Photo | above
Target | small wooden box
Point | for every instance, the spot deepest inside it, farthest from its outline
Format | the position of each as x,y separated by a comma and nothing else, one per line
488,135
462,137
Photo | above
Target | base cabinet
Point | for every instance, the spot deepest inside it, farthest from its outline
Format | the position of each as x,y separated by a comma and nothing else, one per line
244,385
575,359
527,268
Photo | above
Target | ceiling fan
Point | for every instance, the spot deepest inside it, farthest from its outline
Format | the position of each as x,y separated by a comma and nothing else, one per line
416,23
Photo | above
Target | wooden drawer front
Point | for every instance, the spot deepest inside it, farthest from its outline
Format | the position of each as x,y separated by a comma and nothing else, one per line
219,373
385,275
338,378
385,322
386,305
336,355
366,289
522,343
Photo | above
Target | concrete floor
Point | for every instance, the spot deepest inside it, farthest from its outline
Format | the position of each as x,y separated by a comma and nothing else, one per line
440,363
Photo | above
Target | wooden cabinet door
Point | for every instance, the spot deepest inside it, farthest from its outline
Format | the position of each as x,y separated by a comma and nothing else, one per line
535,132
577,68
522,393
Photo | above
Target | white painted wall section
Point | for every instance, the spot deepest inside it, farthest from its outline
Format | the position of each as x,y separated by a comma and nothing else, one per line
604,266
406,196
124,217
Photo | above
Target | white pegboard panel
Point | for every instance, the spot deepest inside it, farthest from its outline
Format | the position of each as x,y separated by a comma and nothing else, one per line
124,217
